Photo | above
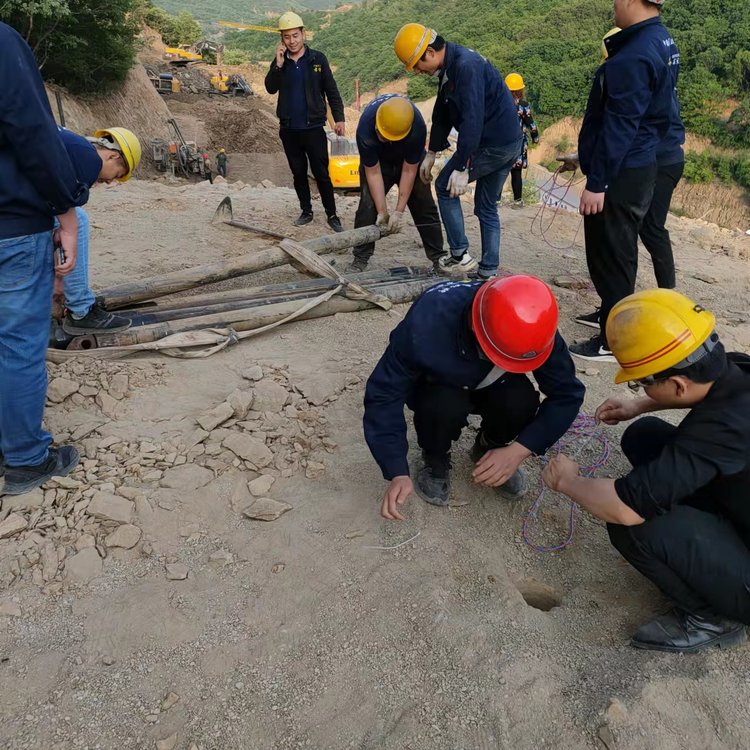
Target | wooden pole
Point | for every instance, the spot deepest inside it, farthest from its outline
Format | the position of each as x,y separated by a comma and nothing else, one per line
177,281
250,318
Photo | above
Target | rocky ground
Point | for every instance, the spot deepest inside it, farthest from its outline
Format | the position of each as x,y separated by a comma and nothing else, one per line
215,574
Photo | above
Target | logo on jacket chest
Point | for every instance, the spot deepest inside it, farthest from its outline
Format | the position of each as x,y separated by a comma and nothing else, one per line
317,68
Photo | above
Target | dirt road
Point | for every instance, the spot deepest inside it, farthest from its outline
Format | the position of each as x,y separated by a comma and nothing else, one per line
145,610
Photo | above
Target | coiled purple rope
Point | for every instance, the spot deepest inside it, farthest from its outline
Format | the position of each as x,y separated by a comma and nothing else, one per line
582,433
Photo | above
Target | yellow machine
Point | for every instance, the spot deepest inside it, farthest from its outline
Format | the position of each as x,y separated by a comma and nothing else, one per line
343,162
181,53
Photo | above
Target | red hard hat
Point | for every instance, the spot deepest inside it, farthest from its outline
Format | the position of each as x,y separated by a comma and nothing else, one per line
515,321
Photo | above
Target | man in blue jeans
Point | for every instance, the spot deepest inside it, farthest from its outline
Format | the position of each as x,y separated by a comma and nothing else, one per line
111,154
473,99
37,183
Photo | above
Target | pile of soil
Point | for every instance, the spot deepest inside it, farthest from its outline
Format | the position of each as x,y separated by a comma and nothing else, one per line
243,131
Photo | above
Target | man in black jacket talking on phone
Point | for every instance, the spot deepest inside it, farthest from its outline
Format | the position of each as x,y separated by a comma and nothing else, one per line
304,81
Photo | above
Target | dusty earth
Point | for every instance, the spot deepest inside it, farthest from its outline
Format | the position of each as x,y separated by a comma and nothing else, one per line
142,608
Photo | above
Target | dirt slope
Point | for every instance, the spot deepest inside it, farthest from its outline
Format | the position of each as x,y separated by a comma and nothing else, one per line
302,632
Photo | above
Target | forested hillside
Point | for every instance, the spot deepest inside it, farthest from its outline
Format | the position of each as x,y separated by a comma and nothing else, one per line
555,44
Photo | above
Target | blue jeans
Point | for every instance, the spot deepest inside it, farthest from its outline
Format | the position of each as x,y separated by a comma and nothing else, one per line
486,195
78,295
26,281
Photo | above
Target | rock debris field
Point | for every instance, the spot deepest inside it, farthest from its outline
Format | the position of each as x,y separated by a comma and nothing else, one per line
215,575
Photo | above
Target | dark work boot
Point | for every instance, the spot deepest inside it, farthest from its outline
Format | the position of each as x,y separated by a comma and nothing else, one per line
335,223
96,320
681,632
358,265
513,487
59,463
304,218
434,479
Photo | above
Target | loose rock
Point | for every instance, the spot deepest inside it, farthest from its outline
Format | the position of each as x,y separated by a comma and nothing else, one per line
314,470
261,486
186,478
168,743
210,420
83,566
171,699
270,396
118,385
107,404
240,401
266,509
249,448
110,508
177,571
253,373
13,524
125,536
60,388
8,608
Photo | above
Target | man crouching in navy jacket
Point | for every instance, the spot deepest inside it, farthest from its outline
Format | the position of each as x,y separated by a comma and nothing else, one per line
466,348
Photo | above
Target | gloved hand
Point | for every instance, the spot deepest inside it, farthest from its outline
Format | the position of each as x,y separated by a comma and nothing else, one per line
395,221
458,183
425,168
382,221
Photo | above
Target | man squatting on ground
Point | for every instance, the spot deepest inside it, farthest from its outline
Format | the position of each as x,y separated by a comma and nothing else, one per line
467,348
390,138
303,79
681,516
472,98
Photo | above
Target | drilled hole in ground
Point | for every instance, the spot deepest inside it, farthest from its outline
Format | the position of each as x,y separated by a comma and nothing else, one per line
539,595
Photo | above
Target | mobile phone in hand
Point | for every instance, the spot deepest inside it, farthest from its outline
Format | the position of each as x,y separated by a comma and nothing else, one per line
59,255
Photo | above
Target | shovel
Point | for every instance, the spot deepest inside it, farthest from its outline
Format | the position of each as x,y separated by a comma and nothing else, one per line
225,214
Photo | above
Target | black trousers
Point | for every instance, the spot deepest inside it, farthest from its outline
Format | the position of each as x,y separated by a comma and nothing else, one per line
221,169
301,146
421,207
441,411
516,182
612,237
654,234
694,555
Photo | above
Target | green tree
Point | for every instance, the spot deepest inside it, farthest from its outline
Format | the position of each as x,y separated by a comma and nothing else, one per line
88,46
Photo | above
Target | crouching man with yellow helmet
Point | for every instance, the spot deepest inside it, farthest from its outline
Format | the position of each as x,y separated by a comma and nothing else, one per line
390,137
681,516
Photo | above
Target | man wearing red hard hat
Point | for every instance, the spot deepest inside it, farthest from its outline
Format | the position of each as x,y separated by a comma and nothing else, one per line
468,348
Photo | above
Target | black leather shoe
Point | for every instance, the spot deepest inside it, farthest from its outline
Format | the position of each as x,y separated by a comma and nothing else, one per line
335,223
59,463
434,479
680,632
304,218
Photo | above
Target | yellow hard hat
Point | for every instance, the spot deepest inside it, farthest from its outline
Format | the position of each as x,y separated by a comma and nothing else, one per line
290,20
652,331
614,30
222,151
126,142
394,118
514,81
411,42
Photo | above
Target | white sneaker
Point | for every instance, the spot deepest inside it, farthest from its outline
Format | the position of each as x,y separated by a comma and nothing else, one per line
465,263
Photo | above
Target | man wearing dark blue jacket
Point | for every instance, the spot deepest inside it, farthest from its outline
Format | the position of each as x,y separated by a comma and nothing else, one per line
37,183
466,348
631,110
303,79
472,98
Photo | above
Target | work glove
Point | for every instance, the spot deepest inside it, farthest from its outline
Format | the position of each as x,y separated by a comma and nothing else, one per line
425,168
458,183
382,221
395,221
